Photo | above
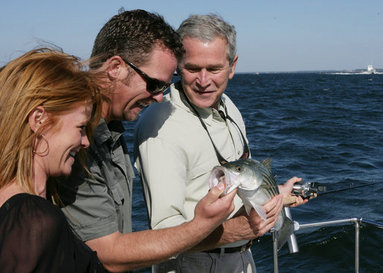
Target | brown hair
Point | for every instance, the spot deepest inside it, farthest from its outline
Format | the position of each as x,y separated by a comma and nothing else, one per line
41,77
133,34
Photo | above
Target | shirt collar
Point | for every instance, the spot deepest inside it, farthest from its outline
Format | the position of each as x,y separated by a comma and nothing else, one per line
108,132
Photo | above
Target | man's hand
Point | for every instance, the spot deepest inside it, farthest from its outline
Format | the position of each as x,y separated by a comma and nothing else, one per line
243,226
273,208
213,209
289,199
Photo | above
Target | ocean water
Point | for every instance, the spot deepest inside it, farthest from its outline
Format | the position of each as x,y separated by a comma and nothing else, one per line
326,128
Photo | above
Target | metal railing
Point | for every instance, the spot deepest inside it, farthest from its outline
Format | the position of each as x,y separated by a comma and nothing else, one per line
294,248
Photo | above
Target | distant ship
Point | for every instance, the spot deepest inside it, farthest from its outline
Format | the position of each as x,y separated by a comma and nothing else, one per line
371,69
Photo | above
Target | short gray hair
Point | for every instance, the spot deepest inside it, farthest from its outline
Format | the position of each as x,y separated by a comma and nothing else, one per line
206,28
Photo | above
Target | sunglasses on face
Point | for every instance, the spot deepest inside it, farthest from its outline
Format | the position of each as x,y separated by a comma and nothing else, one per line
154,86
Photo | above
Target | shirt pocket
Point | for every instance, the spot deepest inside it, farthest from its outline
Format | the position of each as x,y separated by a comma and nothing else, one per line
117,194
115,189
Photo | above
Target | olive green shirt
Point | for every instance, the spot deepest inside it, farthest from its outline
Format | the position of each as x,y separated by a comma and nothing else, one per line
99,204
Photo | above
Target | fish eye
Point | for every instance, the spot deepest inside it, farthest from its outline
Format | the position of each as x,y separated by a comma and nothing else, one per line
238,168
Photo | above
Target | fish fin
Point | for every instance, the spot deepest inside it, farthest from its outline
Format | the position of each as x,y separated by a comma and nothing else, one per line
267,163
248,208
284,233
261,211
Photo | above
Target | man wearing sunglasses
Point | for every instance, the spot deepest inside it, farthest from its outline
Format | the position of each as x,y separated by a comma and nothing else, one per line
137,54
196,128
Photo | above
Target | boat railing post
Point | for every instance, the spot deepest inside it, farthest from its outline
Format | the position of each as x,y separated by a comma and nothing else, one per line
275,252
291,240
357,228
357,223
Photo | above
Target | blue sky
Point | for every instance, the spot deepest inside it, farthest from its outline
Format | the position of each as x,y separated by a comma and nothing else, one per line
278,35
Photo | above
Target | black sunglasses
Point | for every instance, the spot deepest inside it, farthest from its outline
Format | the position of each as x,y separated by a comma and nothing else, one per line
154,86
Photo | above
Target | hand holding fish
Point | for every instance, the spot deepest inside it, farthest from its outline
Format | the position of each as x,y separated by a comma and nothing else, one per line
288,198
273,208
214,208
243,226
256,186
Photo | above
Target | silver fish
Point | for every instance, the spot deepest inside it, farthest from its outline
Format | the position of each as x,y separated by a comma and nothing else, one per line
256,185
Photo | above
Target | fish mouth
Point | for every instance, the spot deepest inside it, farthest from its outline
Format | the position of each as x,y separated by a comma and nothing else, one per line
220,174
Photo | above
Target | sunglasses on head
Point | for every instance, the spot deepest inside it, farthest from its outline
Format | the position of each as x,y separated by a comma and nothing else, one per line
154,86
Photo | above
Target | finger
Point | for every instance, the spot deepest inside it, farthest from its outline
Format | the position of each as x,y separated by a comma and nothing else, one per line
286,188
268,224
280,205
215,192
272,216
294,180
273,202
225,200
273,208
299,201
229,196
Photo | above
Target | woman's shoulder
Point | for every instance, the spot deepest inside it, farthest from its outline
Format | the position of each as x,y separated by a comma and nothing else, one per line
26,200
31,208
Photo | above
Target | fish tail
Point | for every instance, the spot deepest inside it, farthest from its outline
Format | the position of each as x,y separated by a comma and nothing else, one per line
286,230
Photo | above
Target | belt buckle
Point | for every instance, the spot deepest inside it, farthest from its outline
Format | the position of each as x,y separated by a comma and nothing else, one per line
246,246
243,248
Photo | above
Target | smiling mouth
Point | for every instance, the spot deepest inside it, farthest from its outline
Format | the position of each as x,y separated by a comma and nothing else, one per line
143,104
73,154
203,92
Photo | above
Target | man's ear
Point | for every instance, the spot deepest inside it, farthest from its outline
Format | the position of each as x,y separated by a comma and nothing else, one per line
36,118
232,68
115,67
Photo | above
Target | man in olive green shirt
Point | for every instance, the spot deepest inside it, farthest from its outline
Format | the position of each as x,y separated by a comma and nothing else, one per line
136,52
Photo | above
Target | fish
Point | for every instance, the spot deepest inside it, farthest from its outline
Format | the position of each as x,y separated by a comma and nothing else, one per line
256,185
